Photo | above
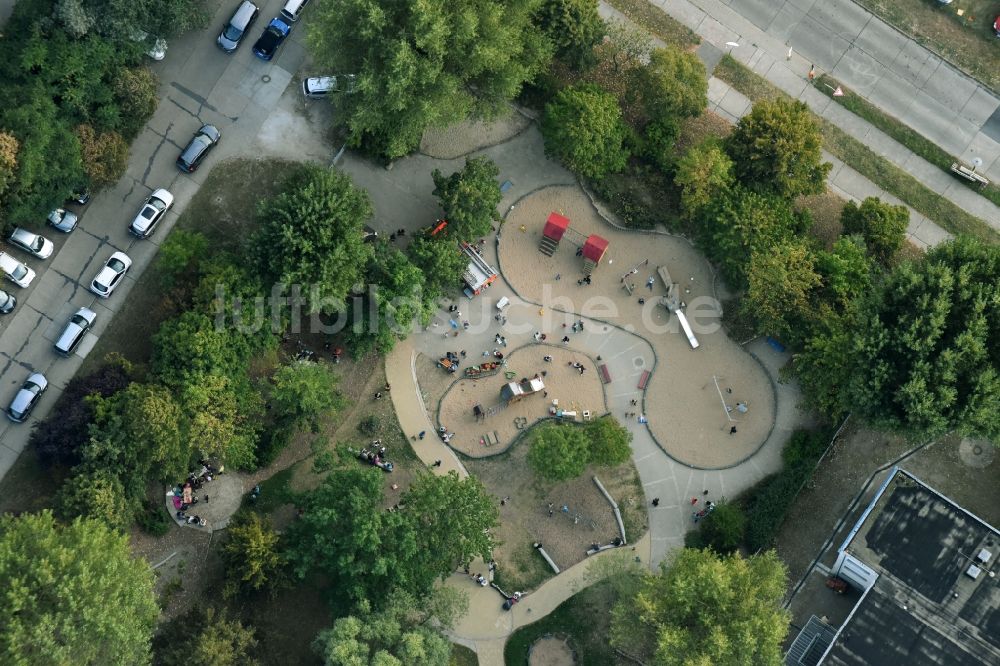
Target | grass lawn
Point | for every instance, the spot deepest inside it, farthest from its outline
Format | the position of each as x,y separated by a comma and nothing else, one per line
967,41
658,22
862,159
584,619
902,133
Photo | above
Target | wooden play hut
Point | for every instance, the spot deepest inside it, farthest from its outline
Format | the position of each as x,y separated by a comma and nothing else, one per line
553,232
593,251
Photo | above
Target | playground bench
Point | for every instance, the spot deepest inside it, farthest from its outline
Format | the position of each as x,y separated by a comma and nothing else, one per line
643,379
969,174
605,375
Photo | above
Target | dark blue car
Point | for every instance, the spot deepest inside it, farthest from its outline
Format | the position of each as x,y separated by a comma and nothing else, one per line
274,35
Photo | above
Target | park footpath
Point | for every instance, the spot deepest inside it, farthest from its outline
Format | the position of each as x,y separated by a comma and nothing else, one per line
768,57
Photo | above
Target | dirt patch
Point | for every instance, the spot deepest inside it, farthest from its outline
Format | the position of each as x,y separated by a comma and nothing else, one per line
566,518
687,413
706,125
574,391
551,651
471,135
825,210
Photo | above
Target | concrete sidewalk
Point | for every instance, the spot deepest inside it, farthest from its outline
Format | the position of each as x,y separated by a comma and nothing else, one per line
964,126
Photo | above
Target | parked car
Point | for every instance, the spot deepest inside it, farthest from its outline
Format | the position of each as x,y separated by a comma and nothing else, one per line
156,47
7,302
996,26
274,34
15,271
292,10
241,20
200,145
75,330
152,211
31,243
111,274
81,197
318,87
26,398
63,220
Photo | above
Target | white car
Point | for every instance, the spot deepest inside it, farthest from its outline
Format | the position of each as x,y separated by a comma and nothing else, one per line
31,243
152,211
15,271
75,330
111,274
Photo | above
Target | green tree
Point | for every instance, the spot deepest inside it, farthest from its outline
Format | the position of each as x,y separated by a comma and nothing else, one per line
706,609
559,452
179,257
610,442
342,531
583,128
441,262
304,390
723,528
882,225
703,174
453,520
469,198
425,65
574,27
395,300
781,280
98,494
740,222
204,637
136,91
673,84
188,347
923,355
846,271
72,594
311,235
138,434
223,418
396,636
253,555
776,148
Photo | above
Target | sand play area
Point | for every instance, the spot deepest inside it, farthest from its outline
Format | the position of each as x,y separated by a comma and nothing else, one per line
707,407
574,391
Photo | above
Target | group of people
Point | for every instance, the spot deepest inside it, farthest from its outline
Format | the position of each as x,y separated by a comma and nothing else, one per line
184,497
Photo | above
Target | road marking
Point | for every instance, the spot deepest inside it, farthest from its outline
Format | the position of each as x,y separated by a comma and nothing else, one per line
653,483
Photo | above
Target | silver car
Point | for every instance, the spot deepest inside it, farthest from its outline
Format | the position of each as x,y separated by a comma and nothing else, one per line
25,400
7,302
15,271
31,243
111,274
63,220
152,211
75,331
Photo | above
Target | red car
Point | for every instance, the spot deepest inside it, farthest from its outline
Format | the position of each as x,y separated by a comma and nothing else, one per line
996,26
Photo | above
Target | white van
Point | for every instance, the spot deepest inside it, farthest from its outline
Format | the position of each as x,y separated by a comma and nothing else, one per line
293,8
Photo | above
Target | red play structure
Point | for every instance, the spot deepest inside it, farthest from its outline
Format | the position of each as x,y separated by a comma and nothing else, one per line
553,232
592,248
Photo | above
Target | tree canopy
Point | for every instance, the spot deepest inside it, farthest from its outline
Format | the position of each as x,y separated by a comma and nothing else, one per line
704,173
398,635
441,262
469,198
252,554
311,236
924,354
776,148
583,128
573,26
366,550
205,637
881,225
673,84
559,453
704,608
72,594
303,390
428,64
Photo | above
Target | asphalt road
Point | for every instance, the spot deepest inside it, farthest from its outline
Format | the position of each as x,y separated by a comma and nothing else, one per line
199,84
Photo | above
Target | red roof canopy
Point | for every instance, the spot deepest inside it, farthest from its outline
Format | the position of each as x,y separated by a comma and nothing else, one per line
555,226
594,248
